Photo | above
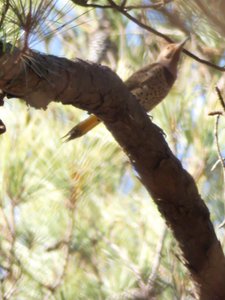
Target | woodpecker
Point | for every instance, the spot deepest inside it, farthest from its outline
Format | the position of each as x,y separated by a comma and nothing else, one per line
150,85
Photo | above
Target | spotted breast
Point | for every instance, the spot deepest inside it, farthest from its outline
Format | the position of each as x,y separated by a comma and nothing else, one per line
150,85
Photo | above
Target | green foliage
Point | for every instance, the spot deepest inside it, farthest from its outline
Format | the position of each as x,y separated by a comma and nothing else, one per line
75,221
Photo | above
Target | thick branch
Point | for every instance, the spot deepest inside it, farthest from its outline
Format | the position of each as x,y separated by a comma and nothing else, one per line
39,79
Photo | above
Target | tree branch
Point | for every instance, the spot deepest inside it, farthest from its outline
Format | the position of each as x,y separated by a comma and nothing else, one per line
124,11
220,98
123,5
40,79
218,114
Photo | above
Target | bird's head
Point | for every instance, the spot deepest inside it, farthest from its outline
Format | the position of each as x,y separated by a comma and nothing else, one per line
169,56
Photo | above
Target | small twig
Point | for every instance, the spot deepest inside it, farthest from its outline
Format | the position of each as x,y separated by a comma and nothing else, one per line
217,142
150,29
216,113
220,98
85,4
145,6
215,165
221,159
216,133
123,5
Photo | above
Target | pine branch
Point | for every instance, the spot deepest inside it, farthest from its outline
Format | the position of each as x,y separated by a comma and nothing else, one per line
98,90
218,114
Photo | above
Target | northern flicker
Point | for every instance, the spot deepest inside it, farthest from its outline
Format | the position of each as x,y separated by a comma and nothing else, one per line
150,85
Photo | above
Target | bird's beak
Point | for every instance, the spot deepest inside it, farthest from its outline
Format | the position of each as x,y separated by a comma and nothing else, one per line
180,45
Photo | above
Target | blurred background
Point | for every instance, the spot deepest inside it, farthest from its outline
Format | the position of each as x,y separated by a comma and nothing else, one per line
75,221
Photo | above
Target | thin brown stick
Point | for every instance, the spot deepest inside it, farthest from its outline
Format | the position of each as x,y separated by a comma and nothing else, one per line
123,5
156,5
222,102
216,133
221,158
217,143
216,113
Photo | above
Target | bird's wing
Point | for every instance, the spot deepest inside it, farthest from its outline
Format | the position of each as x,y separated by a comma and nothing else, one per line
140,77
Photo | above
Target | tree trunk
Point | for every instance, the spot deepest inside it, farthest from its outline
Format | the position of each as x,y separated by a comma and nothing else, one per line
40,79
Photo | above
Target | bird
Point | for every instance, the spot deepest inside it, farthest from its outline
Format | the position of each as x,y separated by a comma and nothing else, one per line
150,85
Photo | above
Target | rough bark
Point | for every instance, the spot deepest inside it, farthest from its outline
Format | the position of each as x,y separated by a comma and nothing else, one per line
40,79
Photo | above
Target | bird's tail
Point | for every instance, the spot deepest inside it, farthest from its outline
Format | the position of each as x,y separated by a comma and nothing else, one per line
82,128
